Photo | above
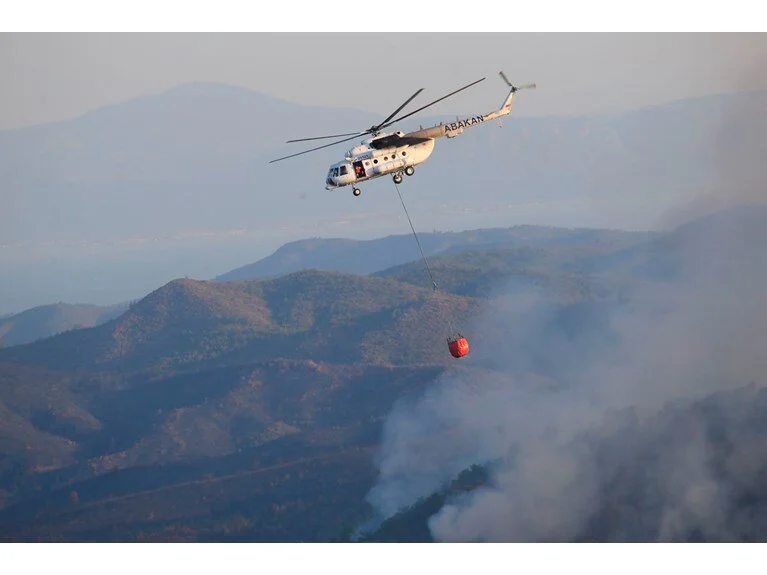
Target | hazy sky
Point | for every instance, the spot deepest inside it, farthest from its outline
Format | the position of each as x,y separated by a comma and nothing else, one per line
50,77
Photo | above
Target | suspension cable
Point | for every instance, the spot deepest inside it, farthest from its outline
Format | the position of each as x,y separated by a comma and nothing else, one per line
428,269
423,256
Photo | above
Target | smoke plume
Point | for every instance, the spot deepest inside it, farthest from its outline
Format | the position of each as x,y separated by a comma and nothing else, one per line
631,419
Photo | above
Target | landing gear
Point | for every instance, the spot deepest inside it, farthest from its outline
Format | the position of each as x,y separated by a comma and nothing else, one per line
397,178
409,171
356,191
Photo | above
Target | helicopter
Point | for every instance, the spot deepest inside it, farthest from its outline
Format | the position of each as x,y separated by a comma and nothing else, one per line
398,153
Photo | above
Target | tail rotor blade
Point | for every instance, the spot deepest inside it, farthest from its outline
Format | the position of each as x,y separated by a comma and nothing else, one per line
512,86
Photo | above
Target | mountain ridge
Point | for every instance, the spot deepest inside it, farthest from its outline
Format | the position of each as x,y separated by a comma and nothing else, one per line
47,320
375,255
192,87
338,254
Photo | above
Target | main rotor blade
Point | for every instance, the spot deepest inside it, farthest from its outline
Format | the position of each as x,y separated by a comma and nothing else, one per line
397,111
317,148
323,137
372,129
429,104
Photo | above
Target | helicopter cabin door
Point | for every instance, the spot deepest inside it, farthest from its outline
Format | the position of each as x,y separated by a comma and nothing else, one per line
359,171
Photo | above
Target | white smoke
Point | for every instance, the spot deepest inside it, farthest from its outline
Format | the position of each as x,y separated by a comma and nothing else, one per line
557,441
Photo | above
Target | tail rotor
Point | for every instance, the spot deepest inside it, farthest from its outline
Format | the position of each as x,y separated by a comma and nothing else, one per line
515,88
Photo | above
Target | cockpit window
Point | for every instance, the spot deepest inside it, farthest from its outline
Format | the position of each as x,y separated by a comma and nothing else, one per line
335,172
343,170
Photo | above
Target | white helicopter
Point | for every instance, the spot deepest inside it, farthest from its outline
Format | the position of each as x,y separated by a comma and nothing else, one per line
398,153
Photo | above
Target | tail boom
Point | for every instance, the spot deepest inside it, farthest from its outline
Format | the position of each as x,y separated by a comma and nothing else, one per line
452,129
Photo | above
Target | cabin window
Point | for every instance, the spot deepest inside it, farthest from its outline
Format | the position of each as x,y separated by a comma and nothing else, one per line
404,153
375,161
343,170
367,163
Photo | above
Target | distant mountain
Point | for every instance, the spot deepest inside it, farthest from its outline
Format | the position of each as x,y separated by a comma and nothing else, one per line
340,255
188,153
196,158
368,256
47,320
719,244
